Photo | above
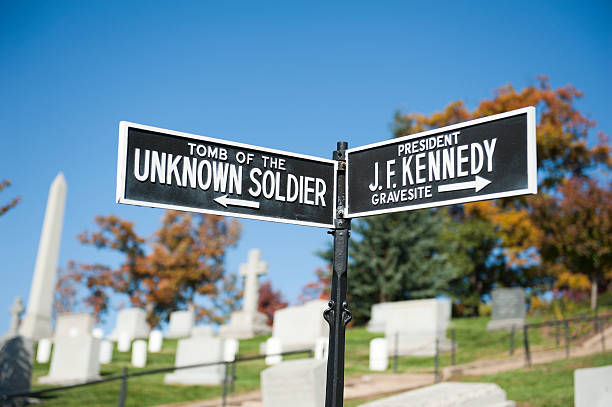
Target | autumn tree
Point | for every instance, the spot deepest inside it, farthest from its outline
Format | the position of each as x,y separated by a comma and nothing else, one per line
577,234
270,301
5,208
185,259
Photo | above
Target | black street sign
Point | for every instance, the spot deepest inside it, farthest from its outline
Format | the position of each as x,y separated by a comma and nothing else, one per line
481,159
173,170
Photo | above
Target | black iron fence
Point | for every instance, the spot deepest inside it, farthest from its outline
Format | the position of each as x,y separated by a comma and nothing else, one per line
228,380
559,335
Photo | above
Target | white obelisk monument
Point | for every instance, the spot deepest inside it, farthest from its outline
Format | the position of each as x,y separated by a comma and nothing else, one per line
37,321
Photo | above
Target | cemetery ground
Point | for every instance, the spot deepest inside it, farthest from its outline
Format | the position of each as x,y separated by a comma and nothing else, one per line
474,343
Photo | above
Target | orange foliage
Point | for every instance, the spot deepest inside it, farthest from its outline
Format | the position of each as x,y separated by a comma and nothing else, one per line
14,201
185,260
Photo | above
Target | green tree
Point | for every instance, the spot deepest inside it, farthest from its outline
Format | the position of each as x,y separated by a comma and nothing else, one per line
5,208
397,256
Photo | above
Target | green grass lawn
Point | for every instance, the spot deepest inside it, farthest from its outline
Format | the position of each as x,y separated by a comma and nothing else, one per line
474,342
549,385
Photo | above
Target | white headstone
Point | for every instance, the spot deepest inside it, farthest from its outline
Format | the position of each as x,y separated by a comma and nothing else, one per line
381,311
155,341
124,342
202,330
379,355
295,383
593,387
248,322
78,324
139,353
43,353
181,323
230,350
320,350
417,325
74,360
133,322
508,309
274,348
37,321
299,327
448,394
98,333
106,351
196,350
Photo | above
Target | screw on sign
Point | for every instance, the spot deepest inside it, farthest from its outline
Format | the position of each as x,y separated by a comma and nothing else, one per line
481,159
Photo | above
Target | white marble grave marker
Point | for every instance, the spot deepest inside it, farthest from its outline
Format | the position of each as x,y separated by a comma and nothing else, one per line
296,383
124,342
77,324
139,353
379,355
133,322
43,353
448,394
593,387
155,341
274,348
98,333
230,349
75,360
197,350
299,327
106,352
37,321
181,323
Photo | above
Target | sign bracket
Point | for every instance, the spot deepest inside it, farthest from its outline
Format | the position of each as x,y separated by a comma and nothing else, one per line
338,315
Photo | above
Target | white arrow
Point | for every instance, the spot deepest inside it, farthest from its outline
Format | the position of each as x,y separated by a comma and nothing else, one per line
224,200
478,184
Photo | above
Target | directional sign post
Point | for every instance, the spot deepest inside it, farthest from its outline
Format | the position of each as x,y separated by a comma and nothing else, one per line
481,159
172,170
487,158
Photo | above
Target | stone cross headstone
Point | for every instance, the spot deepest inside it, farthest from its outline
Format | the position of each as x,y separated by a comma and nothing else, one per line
418,326
155,341
37,321
248,322
274,348
299,327
16,311
448,394
593,387
139,353
508,309
379,355
106,351
197,350
43,352
296,383
133,322
181,323
16,355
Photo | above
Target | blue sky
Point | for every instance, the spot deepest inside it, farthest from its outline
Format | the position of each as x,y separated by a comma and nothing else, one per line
285,75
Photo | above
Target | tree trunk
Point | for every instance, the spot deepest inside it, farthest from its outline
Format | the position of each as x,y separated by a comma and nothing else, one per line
593,295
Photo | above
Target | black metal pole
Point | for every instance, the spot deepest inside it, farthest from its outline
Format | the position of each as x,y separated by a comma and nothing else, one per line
338,313
225,383
123,391
557,324
512,341
526,344
453,348
395,352
233,378
602,328
567,338
437,362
